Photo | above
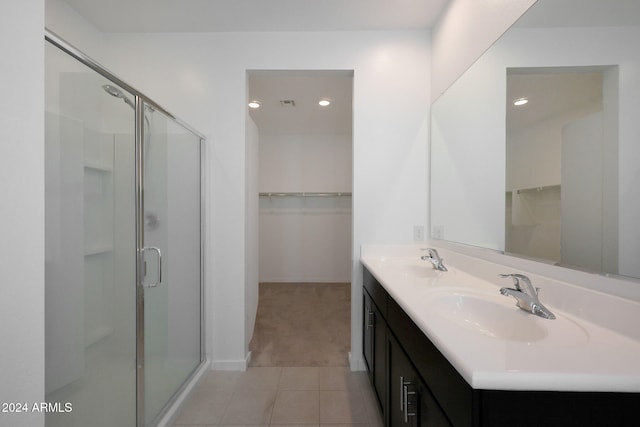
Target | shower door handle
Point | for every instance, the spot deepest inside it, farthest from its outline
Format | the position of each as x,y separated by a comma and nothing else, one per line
159,268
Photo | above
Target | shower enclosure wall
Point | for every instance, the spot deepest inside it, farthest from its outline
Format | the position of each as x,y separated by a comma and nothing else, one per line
124,293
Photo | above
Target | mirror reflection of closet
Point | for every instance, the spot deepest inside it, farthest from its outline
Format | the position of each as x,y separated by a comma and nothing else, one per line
561,169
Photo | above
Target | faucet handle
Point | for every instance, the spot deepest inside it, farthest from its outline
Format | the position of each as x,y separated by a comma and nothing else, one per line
517,278
526,295
434,257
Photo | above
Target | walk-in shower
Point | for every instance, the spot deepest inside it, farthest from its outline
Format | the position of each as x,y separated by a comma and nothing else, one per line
124,289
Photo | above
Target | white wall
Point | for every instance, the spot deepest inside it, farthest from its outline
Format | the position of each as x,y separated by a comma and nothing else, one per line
465,189
534,153
68,24
464,31
305,239
202,78
22,208
305,162
582,189
252,255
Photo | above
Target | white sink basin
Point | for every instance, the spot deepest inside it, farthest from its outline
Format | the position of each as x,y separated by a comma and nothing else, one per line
498,317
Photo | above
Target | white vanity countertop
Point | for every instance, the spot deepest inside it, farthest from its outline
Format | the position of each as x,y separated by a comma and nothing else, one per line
493,344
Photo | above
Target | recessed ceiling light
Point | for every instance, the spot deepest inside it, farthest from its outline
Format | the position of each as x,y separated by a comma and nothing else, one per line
324,102
254,104
520,101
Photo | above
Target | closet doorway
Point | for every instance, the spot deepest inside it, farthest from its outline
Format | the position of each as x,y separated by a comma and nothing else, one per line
304,171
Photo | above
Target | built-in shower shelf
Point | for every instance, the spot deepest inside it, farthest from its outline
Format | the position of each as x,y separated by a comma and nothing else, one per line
98,250
101,167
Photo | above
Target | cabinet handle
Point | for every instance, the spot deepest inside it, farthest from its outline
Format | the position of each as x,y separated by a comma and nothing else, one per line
406,393
370,318
403,394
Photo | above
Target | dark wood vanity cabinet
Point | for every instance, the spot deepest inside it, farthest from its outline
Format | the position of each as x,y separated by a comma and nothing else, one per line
417,386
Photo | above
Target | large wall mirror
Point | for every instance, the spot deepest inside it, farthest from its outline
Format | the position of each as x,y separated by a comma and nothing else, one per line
556,178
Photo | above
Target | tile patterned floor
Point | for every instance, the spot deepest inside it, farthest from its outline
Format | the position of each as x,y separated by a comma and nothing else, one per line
299,374
282,396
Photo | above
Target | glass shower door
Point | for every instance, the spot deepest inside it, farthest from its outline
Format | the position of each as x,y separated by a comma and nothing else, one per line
123,242
90,248
171,255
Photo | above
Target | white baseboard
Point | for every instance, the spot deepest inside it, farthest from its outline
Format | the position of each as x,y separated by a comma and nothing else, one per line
356,363
231,364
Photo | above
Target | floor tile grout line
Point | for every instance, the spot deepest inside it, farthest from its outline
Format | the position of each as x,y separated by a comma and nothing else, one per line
356,388
275,399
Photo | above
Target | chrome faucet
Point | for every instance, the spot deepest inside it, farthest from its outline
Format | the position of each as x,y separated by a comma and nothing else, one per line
434,258
526,296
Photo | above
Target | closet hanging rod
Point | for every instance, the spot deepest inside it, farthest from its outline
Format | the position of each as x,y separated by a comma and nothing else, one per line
536,189
306,194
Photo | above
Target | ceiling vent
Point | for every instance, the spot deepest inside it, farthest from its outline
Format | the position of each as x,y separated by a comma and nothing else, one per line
287,103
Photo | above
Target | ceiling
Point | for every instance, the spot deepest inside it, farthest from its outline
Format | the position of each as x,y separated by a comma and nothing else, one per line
550,92
305,88
581,13
144,16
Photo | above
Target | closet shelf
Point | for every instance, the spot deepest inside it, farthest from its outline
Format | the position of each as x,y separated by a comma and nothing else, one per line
306,194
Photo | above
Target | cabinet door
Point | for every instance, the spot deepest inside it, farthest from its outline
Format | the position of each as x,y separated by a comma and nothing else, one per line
368,333
410,401
380,358
375,349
